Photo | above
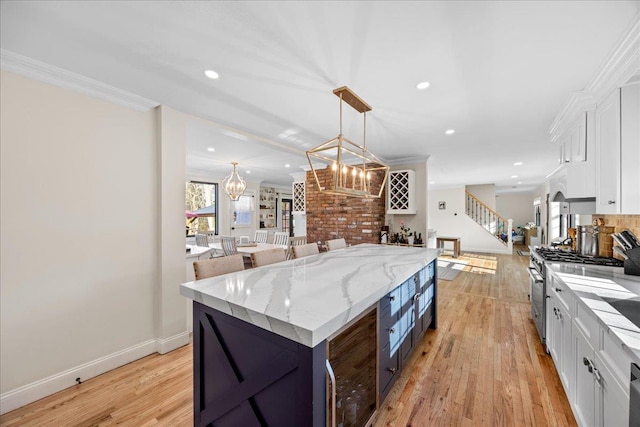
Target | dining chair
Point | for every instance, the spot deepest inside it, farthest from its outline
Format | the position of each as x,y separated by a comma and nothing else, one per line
261,236
217,266
269,256
295,241
305,250
202,240
228,244
280,238
336,244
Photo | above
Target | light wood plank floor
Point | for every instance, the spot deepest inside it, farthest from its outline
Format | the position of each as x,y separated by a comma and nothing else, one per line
484,365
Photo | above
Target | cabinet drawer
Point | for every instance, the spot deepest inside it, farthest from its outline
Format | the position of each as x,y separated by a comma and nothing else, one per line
391,301
616,359
387,320
563,294
586,321
407,291
390,337
389,367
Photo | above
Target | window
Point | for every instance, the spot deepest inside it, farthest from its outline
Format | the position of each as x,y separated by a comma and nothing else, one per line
201,207
243,210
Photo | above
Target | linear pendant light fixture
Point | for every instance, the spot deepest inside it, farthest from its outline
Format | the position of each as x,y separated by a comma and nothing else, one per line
355,171
234,185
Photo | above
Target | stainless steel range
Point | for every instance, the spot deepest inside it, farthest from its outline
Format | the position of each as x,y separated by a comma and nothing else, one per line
537,278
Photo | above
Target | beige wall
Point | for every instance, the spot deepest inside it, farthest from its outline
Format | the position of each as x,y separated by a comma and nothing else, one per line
89,194
418,222
516,206
486,193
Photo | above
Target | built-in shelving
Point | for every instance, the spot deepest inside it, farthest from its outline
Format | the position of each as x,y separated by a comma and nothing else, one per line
268,207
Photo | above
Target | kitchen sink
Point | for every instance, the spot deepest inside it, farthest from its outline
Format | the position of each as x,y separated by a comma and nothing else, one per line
629,308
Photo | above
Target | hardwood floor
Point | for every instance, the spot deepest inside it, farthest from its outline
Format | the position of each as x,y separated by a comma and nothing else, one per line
484,365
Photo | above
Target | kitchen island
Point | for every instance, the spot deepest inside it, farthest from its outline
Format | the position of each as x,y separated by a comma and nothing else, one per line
265,339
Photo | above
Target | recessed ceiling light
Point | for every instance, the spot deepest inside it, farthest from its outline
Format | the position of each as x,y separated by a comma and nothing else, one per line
247,171
432,182
211,149
514,176
423,85
450,131
211,74
517,164
287,165
519,182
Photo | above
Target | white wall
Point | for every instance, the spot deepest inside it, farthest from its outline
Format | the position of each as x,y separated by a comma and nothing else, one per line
486,193
416,222
454,222
89,278
517,206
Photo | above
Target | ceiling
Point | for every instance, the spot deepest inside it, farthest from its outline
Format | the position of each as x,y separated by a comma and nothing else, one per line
499,71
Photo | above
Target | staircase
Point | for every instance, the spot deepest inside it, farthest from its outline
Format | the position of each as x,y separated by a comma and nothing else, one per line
488,219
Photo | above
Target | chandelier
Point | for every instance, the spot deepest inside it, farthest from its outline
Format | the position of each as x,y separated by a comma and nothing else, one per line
354,171
234,185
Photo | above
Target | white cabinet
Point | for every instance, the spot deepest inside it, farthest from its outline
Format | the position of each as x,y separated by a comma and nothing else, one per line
613,407
618,152
575,178
560,306
298,190
592,365
630,149
573,145
401,189
584,400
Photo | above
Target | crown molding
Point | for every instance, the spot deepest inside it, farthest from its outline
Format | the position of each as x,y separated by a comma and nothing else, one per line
623,64
620,66
37,70
408,160
577,103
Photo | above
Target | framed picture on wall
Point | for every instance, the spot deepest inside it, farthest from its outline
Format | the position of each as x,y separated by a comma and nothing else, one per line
442,205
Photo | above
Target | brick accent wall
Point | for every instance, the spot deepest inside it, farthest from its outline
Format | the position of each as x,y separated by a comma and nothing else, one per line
618,223
329,216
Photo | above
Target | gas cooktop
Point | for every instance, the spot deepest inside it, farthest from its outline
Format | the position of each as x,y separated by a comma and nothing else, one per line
557,255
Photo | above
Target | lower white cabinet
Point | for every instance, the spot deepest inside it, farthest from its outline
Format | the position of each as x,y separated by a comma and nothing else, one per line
560,306
584,398
613,405
593,367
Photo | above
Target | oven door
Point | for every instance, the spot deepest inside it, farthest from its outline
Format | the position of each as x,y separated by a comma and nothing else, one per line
538,301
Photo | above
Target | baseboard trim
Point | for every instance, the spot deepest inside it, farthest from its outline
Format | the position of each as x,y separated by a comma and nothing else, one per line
42,388
169,344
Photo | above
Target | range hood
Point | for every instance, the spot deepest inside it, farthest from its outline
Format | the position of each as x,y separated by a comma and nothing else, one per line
574,190
582,206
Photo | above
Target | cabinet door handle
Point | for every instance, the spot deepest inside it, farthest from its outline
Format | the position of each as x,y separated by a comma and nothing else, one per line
558,289
332,379
392,298
596,374
612,202
585,361
416,297
392,330
392,370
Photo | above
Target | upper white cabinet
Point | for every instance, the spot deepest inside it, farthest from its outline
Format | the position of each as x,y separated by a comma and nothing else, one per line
401,192
298,191
618,152
574,141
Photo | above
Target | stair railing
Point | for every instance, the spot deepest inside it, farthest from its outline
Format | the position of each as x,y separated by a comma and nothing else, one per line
487,218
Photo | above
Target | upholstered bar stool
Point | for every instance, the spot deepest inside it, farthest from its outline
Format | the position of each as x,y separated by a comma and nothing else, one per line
218,266
269,256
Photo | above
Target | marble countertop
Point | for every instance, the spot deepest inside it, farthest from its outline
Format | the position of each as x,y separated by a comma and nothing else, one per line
309,299
590,284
